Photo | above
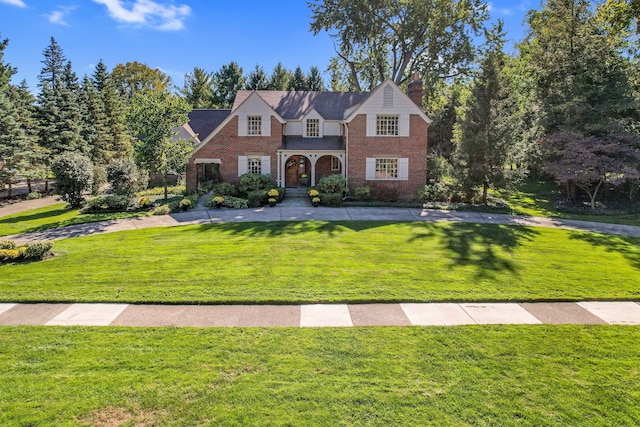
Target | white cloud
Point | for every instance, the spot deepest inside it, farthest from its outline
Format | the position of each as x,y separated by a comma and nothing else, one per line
18,3
166,17
499,10
58,16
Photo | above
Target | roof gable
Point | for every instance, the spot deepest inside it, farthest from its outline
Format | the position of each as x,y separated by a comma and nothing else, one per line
204,121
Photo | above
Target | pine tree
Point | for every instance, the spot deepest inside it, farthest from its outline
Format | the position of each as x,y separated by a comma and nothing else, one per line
227,82
485,148
197,89
299,80
54,62
279,78
315,81
257,79
73,116
115,112
95,130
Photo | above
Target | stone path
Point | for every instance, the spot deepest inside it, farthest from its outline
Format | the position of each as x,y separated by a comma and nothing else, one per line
322,315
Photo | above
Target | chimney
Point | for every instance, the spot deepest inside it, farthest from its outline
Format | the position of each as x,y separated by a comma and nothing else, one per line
415,90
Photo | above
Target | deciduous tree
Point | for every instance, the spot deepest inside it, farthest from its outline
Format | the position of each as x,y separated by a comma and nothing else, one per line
134,77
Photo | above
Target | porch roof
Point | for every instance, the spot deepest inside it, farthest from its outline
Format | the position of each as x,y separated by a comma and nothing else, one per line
330,143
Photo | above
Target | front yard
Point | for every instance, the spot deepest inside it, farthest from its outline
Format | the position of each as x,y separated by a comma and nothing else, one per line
353,261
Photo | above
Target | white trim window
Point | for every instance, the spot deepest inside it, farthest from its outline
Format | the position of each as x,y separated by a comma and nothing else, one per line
335,164
313,128
386,169
254,125
387,125
254,164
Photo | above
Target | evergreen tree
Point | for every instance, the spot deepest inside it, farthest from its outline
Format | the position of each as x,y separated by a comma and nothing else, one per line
299,80
119,140
198,88
279,78
73,115
227,82
53,64
485,148
95,130
14,145
315,81
257,79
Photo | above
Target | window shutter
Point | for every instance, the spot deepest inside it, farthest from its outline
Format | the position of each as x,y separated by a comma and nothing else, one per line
371,125
404,125
403,169
371,169
266,125
265,162
242,125
242,165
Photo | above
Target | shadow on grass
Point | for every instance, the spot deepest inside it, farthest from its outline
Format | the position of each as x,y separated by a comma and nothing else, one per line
289,228
629,247
487,247
17,218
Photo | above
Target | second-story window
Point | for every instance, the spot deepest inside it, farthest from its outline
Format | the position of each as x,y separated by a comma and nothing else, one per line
387,125
254,125
313,128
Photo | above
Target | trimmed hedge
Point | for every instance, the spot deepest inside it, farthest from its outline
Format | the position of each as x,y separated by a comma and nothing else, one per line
10,252
331,199
107,204
257,198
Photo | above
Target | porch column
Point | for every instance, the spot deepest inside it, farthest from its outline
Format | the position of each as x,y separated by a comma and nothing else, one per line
278,173
313,158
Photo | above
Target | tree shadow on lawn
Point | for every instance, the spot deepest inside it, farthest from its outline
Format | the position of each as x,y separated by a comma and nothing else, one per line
629,247
290,228
487,247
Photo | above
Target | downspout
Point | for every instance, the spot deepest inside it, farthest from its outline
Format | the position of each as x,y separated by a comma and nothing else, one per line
346,154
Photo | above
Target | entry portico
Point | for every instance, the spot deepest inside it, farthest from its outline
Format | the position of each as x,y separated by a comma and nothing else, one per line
294,163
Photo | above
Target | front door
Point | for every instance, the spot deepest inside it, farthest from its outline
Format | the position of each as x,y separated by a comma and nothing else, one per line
291,171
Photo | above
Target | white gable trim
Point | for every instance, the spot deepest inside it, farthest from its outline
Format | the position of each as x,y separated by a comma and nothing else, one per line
231,116
414,108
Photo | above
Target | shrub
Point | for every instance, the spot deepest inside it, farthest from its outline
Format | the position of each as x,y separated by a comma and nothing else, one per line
99,179
161,210
335,183
109,203
178,190
7,244
38,250
125,177
363,193
253,181
74,175
257,198
185,204
440,191
144,202
331,199
236,203
9,255
224,189
33,195
281,191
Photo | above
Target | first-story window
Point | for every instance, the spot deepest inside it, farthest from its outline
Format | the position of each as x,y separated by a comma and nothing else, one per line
335,163
254,165
386,168
254,125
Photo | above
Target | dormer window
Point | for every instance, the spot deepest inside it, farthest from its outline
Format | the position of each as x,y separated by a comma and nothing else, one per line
254,125
313,128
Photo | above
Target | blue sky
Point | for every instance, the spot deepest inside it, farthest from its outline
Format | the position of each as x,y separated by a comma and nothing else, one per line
178,35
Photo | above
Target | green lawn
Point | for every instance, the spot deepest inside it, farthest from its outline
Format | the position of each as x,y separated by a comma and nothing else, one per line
353,261
54,216
457,376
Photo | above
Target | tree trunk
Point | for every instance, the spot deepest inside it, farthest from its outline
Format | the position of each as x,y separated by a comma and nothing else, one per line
164,182
485,189
9,189
29,185
46,185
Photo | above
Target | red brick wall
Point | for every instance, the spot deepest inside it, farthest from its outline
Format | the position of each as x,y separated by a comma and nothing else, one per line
413,147
226,145
323,168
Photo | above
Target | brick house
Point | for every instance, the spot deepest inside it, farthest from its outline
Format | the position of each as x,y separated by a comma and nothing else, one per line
376,138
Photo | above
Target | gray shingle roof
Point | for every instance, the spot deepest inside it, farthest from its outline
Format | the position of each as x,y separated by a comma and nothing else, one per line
325,143
204,121
292,105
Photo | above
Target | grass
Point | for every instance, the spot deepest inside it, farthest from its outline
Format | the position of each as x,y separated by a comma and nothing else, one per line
315,261
537,198
54,216
499,375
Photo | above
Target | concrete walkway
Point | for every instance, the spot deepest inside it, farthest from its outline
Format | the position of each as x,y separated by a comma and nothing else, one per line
27,205
321,315
279,213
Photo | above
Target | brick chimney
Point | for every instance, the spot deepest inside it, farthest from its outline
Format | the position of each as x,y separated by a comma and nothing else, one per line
415,89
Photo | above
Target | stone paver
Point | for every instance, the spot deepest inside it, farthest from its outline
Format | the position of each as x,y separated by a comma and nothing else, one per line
378,315
88,315
325,315
240,315
436,314
615,313
499,313
31,314
6,307
559,313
